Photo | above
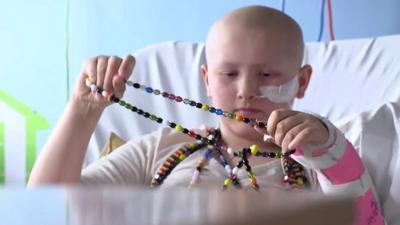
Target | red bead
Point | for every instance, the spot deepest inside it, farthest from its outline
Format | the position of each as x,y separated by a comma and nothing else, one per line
178,99
192,134
171,96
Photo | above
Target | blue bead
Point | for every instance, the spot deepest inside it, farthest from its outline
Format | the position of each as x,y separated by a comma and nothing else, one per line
219,112
149,90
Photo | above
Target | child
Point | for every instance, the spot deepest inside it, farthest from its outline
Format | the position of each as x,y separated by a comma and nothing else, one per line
254,71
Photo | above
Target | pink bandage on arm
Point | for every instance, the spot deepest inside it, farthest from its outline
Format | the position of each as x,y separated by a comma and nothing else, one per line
347,169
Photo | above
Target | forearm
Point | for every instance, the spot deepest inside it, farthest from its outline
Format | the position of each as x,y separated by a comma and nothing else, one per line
341,171
62,156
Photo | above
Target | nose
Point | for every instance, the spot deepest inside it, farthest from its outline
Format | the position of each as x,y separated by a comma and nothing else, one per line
248,88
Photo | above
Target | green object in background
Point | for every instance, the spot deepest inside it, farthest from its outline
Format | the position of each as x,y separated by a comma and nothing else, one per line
33,122
2,154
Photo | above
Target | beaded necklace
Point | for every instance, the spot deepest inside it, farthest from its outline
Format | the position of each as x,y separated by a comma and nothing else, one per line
294,174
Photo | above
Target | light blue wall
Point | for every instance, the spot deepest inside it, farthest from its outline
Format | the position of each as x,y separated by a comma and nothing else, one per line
44,42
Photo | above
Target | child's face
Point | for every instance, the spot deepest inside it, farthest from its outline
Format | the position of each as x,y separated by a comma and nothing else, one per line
239,61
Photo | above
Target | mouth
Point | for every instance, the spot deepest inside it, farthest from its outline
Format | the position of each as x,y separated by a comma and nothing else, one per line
250,112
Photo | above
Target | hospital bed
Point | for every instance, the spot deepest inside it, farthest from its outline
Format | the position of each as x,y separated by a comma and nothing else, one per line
355,83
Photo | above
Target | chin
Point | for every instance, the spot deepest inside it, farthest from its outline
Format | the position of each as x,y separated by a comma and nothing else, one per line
245,131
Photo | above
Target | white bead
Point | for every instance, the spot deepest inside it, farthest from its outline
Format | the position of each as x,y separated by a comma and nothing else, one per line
165,123
230,151
228,169
104,93
235,170
93,87
267,138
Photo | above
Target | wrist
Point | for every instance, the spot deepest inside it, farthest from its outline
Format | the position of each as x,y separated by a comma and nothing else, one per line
85,109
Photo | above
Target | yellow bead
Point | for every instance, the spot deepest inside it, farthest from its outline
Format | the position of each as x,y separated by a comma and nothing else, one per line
227,182
205,107
254,149
300,181
182,157
179,128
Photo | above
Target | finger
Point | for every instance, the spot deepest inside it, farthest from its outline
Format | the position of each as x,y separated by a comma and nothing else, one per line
112,70
102,62
126,67
119,86
291,135
90,69
284,125
275,117
301,138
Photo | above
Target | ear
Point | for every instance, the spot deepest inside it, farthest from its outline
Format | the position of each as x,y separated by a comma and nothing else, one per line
304,79
204,74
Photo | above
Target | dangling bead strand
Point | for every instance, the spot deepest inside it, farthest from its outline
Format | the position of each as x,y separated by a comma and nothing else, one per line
198,105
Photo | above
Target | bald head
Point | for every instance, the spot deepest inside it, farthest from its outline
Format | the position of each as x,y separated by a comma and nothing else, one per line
281,29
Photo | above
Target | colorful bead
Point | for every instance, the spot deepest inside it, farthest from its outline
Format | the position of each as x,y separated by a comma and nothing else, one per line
239,118
219,112
254,149
227,182
179,128
205,107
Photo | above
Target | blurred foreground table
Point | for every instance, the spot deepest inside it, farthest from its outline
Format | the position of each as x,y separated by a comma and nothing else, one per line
126,205
135,205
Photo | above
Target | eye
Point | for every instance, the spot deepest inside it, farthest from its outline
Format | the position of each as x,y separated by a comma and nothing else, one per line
266,74
229,74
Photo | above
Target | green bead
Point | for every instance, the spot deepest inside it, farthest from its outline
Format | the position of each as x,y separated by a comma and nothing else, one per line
121,102
152,117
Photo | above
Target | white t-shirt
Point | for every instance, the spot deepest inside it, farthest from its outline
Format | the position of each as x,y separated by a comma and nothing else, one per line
136,162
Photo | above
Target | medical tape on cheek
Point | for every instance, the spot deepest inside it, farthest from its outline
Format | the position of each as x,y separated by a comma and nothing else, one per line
282,93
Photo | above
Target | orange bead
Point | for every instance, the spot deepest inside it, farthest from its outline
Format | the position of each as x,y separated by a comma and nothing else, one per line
239,118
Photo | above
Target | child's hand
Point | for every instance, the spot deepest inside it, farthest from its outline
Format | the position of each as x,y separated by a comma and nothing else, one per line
291,129
108,73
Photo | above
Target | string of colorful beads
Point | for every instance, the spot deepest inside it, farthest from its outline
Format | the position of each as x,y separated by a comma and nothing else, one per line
294,175
198,105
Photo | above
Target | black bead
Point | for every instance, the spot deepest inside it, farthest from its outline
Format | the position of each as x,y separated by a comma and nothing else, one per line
261,125
199,105
136,85
246,120
140,112
159,120
212,109
146,114
185,131
172,125
114,99
198,137
165,94
272,154
134,109
192,103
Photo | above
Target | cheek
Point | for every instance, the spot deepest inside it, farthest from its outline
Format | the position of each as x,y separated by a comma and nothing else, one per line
222,94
